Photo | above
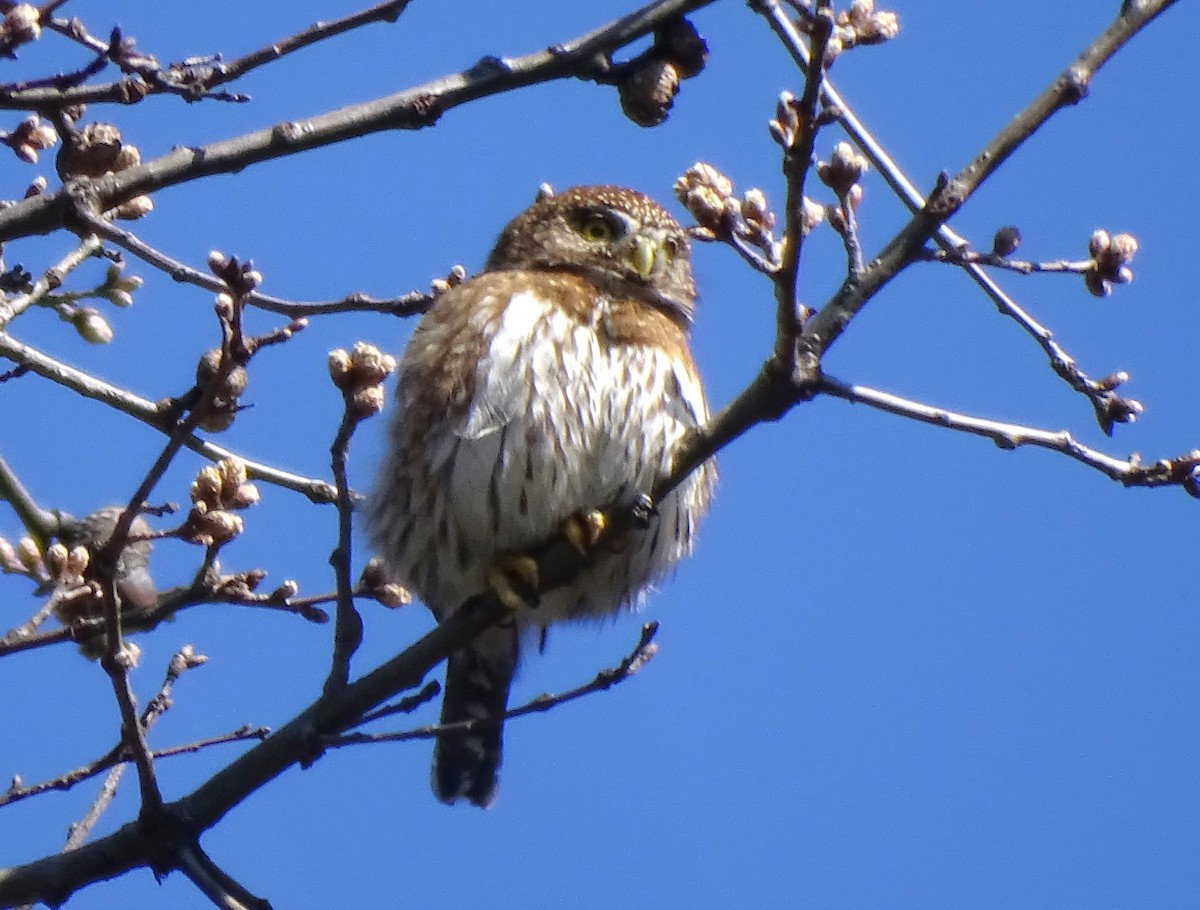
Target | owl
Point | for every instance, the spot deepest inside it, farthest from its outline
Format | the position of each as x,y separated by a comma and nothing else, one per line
556,382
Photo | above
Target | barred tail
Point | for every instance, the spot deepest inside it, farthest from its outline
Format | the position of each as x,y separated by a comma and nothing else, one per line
477,682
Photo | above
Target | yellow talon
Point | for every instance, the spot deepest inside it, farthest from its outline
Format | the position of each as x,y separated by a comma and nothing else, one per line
583,530
514,581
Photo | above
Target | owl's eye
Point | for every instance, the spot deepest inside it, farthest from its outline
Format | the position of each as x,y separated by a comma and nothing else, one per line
597,229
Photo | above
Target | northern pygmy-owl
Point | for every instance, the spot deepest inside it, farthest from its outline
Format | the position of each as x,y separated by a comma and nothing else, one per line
556,381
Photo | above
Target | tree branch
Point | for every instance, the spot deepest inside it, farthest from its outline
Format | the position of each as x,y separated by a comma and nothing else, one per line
412,109
1120,32
152,414
1130,472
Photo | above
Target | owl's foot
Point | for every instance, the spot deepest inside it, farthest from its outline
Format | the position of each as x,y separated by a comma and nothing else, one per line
583,529
514,581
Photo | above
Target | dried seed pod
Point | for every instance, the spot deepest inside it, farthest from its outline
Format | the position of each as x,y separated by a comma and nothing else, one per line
648,91
683,46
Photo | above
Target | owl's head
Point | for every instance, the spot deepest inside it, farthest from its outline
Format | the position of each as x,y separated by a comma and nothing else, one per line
622,241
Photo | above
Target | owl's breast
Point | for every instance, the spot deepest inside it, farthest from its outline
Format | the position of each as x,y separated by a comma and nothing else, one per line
571,408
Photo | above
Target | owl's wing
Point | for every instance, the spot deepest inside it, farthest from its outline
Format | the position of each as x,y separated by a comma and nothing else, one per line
506,374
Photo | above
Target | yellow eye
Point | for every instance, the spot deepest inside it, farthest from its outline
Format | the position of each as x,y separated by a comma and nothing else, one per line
597,229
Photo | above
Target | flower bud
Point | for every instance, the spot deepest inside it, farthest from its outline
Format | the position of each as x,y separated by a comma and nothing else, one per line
811,214
233,473
78,559
844,168
56,559
703,191
8,557
28,554
367,401
370,365
21,24
132,209
91,326
1122,247
340,367
288,589
392,595
1098,243
754,208
206,488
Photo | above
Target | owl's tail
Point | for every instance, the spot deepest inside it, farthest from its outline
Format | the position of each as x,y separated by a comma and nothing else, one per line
477,682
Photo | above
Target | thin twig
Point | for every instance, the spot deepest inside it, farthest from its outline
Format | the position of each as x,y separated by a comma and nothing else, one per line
215,883
53,277
849,235
797,160
410,304
38,523
348,628
115,756
153,415
1064,364
965,257
115,659
183,659
206,588
191,80
388,11
605,679
77,833
1130,472
406,705
27,629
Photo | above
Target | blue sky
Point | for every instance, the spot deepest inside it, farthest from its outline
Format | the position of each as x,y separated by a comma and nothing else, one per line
903,669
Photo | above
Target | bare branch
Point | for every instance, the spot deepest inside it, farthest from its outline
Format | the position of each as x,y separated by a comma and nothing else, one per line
605,679
798,136
152,414
191,79
184,659
359,375
1130,472
38,522
348,624
1123,28
388,11
53,277
410,304
411,109
214,883
18,791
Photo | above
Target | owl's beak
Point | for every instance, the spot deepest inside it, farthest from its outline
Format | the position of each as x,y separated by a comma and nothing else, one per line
643,252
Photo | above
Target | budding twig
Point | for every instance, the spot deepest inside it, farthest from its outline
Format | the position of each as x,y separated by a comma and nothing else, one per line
358,375
89,246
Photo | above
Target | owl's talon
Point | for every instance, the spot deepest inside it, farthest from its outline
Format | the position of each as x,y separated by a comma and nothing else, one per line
514,581
641,510
583,530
